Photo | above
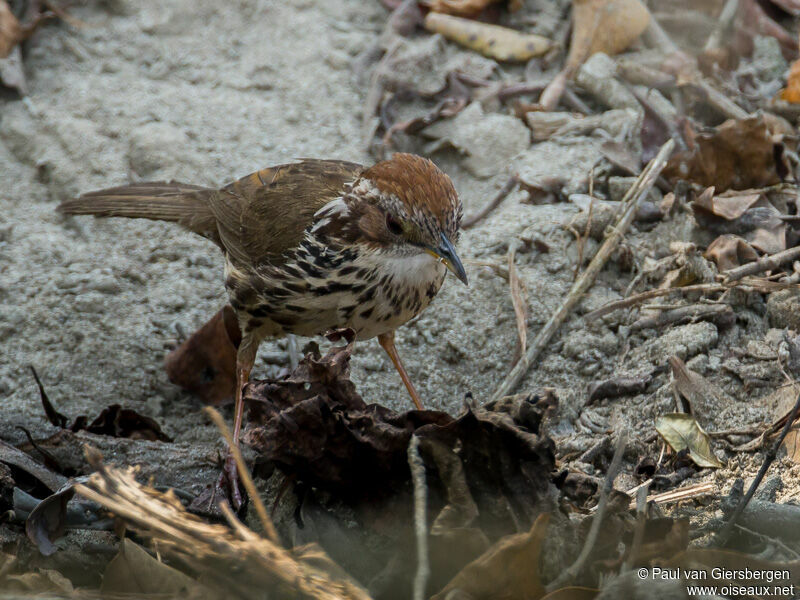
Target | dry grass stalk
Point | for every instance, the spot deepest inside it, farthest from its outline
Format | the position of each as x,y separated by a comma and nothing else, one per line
244,473
237,562
685,493
417,467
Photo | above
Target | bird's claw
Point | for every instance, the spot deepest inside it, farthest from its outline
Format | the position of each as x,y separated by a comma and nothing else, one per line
228,482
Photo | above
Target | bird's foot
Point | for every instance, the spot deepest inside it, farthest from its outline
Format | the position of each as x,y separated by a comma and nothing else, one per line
228,483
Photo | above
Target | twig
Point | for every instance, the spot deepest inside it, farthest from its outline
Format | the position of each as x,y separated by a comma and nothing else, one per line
630,203
244,473
752,431
691,313
420,517
722,537
708,288
509,186
770,539
570,573
519,89
720,101
555,89
641,522
655,36
765,263
572,100
726,17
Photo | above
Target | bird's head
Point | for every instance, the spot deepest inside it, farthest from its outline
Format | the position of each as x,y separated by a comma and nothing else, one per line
406,205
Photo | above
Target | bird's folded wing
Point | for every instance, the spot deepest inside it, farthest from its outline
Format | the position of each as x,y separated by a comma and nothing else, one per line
264,214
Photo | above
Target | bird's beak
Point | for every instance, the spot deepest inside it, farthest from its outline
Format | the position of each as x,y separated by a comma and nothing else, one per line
447,254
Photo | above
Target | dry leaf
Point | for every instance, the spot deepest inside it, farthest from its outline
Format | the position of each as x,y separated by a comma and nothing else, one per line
681,431
494,41
740,154
114,420
748,213
663,537
36,471
46,582
48,519
729,251
705,397
205,364
780,403
134,571
11,32
730,205
511,566
607,26
791,93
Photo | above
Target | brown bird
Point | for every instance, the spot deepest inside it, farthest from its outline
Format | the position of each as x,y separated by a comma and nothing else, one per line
314,246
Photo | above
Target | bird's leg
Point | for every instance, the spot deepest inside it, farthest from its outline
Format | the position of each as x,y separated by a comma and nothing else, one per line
386,340
245,357
244,365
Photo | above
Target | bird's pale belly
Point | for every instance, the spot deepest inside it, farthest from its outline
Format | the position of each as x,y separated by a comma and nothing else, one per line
380,302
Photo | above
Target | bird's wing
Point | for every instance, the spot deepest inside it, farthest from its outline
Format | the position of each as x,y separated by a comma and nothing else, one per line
263,214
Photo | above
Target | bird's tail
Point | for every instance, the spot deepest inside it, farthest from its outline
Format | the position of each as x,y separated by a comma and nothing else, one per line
160,201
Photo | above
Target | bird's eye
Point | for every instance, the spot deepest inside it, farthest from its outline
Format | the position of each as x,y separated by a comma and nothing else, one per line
393,226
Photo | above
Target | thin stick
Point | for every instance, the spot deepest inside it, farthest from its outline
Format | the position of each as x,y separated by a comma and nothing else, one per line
656,37
630,203
691,312
420,517
641,522
707,288
722,537
244,473
723,23
721,102
569,574
765,263
504,191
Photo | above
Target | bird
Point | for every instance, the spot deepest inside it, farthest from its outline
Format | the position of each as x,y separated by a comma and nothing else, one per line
314,246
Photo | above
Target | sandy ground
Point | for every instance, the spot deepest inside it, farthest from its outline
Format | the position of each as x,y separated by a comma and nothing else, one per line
203,92
207,92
